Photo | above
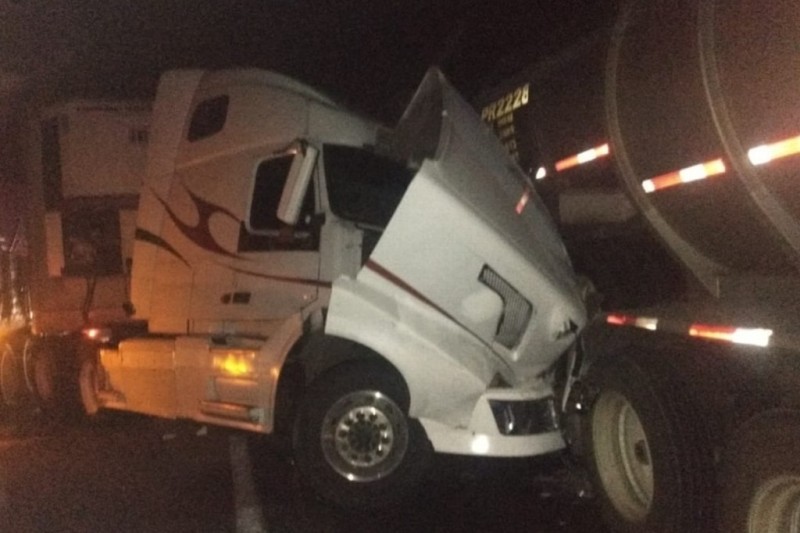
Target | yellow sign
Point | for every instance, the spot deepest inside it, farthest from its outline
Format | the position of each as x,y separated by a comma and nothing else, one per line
508,103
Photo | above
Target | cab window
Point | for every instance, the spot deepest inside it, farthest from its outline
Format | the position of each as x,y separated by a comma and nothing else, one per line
364,187
263,231
208,118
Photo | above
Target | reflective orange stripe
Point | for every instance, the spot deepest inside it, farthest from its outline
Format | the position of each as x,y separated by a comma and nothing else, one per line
636,321
685,175
761,155
583,157
751,336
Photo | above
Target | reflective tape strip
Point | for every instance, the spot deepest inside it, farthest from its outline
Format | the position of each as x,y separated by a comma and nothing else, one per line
583,157
685,175
749,336
735,335
636,321
761,155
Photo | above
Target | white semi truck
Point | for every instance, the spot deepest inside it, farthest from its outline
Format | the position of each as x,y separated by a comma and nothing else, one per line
377,295
668,152
68,231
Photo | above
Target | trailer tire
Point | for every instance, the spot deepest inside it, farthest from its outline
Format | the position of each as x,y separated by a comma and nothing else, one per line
44,379
11,379
648,454
354,444
89,384
761,475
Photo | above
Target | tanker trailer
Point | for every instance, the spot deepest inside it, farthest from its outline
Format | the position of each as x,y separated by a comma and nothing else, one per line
668,150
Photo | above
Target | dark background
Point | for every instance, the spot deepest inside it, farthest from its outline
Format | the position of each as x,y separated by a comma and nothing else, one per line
368,54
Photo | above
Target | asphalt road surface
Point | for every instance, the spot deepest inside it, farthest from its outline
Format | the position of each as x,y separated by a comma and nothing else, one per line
137,474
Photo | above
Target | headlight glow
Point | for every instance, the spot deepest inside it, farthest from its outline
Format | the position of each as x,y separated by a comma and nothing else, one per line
235,364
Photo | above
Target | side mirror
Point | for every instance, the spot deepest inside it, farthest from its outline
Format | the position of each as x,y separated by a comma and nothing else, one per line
297,184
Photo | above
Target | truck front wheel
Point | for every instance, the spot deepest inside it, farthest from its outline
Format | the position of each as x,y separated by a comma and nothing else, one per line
354,443
648,456
761,476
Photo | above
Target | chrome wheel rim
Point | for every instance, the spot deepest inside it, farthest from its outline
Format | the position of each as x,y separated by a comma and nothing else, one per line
622,454
364,436
775,507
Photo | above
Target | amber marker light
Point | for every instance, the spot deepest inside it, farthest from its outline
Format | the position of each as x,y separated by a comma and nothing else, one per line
236,364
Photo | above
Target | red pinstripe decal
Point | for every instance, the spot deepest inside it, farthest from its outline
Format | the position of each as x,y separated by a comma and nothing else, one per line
395,280
287,279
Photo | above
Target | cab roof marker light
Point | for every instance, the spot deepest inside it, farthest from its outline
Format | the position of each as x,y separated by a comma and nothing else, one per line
686,175
761,155
584,157
750,336
541,173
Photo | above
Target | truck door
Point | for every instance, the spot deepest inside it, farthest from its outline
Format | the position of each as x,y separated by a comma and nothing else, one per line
281,274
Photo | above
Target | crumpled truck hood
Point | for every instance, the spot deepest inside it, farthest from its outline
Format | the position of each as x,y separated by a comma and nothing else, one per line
470,210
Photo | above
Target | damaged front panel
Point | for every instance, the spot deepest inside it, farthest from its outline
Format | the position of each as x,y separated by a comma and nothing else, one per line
469,277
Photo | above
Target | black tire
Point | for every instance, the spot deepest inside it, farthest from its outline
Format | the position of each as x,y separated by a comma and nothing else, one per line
44,380
353,442
649,456
761,476
53,375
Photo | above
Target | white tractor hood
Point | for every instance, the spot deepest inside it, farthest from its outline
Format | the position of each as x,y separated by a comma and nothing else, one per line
470,242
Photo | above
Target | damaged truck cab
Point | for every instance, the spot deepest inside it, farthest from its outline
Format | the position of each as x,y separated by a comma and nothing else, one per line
377,296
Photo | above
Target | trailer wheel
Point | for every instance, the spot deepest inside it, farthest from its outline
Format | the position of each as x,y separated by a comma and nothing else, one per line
89,382
761,476
353,441
647,454
11,379
28,370
44,379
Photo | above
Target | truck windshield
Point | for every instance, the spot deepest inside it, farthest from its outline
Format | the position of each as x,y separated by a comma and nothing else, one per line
364,187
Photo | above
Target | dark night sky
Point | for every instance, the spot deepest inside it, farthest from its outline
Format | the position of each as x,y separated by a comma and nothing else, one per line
370,54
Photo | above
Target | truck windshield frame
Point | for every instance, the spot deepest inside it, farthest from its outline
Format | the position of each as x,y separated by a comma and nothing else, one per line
364,187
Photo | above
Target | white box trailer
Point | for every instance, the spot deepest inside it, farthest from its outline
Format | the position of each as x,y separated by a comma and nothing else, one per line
83,163
374,300
92,157
678,130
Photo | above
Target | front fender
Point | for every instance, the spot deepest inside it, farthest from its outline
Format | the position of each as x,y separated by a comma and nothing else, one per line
445,367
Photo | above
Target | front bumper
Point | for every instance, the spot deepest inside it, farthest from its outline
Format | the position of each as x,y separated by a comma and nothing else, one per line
504,423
